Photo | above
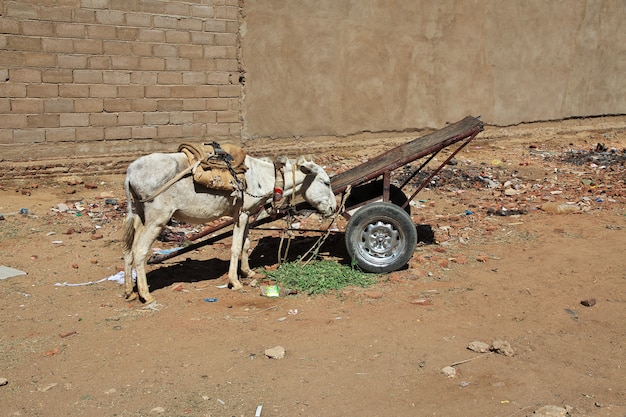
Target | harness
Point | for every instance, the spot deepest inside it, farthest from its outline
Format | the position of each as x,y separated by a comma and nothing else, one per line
215,169
203,164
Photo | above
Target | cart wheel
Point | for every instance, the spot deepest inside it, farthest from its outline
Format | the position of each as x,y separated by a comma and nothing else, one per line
365,192
381,237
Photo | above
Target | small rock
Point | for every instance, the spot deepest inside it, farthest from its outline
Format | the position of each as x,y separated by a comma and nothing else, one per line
442,262
375,295
75,265
590,302
96,236
90,186
460,259
3,381
157,410
449,371
482,258
502,347
551,411
477,346
277,352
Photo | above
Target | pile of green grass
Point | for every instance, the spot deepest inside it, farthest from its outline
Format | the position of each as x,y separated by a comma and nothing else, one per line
320,277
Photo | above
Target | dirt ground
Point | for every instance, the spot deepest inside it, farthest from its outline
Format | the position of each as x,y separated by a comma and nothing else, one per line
499,265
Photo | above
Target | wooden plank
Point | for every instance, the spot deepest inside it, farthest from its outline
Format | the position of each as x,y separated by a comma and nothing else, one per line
406,153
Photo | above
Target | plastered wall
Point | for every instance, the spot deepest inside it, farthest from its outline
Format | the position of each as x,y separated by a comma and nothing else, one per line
342,67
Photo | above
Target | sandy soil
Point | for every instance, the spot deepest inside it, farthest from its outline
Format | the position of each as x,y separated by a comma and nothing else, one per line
500,267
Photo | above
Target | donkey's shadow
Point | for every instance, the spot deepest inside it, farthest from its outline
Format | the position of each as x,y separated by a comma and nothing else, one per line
187,271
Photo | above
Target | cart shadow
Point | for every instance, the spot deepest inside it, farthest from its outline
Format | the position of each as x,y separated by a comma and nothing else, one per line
265,253
267,249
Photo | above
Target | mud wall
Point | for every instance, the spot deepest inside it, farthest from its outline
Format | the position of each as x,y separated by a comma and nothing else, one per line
328,67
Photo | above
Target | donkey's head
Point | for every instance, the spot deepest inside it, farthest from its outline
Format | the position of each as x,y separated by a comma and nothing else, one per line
316,187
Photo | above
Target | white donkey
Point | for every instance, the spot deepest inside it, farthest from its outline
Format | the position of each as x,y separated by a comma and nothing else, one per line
193,203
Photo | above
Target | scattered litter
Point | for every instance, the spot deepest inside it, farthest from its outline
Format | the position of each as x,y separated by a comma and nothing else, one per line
270,291
559,208
167,251
210,300
7,272
119,278
293,312
47,387
258,411
571,313
66,334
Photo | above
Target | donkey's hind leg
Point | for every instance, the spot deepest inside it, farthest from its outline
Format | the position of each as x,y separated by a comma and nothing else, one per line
141,249
133,228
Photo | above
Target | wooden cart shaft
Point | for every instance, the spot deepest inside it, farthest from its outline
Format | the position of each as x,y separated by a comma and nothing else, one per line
401,155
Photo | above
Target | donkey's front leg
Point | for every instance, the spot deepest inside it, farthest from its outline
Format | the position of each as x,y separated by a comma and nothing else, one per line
245,264
235,250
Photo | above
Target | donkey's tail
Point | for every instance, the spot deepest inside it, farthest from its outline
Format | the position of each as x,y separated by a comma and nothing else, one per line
129,223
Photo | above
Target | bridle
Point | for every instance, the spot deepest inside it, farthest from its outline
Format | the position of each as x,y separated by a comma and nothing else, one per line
279,185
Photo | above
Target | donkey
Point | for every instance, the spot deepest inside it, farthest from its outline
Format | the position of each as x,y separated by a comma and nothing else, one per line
190,202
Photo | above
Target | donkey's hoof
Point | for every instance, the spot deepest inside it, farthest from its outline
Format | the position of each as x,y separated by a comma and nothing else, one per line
130,297
236,286
149,299
153,305
248,274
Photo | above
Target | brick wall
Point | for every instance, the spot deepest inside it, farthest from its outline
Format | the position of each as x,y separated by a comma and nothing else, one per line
116,76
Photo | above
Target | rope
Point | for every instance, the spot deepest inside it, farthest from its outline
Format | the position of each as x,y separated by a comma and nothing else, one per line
286,232
322,239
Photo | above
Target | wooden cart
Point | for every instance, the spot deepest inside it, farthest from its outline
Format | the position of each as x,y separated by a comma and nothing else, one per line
380,234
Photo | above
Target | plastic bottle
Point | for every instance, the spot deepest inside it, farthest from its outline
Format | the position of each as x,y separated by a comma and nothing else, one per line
559,208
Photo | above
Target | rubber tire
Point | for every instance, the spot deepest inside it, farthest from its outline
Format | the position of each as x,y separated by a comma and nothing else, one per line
381,237
366,191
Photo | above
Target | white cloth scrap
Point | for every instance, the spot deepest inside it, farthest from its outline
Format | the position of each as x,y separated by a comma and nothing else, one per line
119,278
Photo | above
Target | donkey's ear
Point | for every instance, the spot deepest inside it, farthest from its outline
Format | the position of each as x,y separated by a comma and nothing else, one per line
307,167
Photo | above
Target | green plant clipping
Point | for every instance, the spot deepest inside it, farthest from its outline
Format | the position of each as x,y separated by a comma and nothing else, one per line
320,277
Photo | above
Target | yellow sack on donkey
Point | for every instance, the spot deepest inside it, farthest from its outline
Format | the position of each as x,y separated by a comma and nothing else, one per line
218,167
